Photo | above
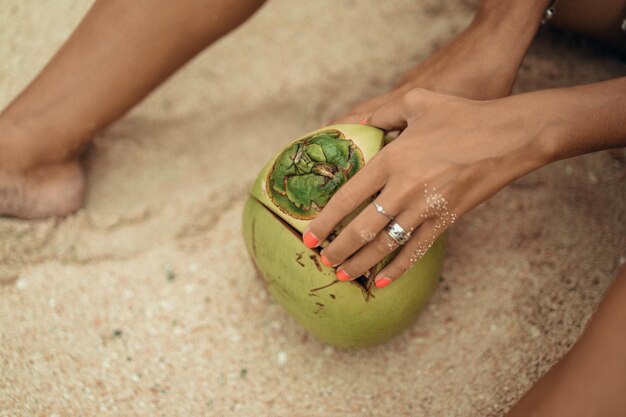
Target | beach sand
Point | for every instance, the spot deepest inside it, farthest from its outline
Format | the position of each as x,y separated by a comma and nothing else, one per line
145,302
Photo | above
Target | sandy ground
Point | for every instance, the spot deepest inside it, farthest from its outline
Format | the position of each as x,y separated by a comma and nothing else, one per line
145,303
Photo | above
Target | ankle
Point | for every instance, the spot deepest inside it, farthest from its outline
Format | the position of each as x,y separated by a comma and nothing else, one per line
23,147
14,143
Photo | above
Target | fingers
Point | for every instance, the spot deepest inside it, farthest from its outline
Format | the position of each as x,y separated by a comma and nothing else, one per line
362,229
416,247
392,115
377,249
351,195
389,117
389,111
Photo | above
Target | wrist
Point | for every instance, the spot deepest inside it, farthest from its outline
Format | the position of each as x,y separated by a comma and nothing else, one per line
515,15
573,121
500,35
12,143
528,137
511,25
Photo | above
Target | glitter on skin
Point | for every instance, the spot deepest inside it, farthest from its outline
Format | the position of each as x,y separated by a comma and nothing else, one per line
437,211
367,236
392,244
437,208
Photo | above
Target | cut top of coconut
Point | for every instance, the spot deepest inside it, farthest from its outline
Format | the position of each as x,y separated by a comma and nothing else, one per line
301,179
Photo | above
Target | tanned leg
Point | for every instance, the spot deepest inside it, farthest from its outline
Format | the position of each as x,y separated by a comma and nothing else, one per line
590,381
119,53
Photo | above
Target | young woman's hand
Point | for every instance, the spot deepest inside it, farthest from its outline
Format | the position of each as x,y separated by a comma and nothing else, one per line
480,63
452,154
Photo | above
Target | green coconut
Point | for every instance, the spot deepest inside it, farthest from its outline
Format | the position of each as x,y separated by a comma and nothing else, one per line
288,193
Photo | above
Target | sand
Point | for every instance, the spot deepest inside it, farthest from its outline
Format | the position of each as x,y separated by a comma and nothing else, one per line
145,303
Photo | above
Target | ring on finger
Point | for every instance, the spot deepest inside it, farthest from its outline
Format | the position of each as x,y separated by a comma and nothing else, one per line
381,210
397,233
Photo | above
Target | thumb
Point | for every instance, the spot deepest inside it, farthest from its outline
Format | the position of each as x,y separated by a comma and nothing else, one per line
396,114
389,117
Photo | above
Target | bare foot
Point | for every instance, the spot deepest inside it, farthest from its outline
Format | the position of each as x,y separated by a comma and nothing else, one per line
42,192
38,178
78,93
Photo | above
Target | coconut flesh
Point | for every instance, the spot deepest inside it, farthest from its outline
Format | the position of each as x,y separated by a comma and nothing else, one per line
288,193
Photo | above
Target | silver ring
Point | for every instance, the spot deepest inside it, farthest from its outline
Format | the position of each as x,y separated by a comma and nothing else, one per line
397,233
381,210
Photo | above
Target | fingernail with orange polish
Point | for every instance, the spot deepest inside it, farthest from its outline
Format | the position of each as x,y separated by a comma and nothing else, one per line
362,122
342,275
310,240
326,262
383,282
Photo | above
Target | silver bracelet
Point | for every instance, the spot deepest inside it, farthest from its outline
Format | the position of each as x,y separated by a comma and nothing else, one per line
550,11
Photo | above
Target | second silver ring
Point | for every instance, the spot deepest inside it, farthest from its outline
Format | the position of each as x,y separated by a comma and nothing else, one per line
397,233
